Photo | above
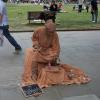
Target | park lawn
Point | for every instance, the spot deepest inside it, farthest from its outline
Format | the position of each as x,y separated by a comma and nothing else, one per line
68,20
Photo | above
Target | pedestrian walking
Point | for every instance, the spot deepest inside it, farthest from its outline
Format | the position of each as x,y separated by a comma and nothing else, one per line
4,26
94,10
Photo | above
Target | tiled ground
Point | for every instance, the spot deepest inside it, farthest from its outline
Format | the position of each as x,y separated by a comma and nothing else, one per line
84,97
79,48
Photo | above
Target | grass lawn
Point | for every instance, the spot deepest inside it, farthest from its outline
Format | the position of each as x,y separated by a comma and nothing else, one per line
70,20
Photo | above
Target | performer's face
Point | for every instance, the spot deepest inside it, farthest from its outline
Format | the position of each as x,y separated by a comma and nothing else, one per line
50,27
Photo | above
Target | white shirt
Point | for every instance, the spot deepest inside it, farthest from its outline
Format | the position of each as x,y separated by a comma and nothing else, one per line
80,2
3,12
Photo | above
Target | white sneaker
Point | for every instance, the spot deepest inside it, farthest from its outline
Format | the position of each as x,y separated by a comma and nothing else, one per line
93,21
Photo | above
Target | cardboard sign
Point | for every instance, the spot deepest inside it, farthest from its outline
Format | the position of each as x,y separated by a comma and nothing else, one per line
31,90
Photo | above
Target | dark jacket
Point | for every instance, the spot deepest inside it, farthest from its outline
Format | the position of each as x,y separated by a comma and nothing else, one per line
94,6
54,7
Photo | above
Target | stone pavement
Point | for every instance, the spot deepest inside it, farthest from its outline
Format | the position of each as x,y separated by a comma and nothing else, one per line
79,48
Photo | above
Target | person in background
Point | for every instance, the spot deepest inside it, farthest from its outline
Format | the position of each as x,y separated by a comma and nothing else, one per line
80,3
5,27
94,10
53,10
46,7
87,4
59,6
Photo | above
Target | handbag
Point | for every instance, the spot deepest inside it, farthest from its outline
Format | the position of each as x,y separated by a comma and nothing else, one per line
1,38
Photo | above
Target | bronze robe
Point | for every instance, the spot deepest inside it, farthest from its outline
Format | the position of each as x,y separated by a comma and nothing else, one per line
36,62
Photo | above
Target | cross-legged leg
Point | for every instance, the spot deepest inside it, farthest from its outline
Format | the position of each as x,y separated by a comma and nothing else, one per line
28,67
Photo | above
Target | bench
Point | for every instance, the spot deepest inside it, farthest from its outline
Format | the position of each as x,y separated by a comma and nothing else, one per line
38,15
34,15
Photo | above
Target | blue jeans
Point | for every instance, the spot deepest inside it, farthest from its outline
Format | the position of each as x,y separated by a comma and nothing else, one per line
7,34
94,16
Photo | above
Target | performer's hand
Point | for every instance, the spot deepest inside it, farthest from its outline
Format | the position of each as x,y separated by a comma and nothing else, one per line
36,48
50,58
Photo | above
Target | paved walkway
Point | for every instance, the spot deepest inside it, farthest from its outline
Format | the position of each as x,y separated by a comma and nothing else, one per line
79,48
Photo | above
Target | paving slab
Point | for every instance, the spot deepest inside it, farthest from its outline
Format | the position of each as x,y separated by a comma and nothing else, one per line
78,48
84,97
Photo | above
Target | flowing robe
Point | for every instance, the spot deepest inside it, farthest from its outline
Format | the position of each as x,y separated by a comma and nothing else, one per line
36,70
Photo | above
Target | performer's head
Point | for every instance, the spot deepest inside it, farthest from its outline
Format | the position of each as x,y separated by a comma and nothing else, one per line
50,26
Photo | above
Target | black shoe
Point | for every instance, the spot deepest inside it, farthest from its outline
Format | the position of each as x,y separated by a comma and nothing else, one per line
18,50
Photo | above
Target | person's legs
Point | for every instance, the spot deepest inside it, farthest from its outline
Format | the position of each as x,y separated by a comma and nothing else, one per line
80,8
53,19
92,16
28,67
7,34
96,15
87,8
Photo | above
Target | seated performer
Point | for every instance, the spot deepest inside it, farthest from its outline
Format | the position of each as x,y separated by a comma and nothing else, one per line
41,65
